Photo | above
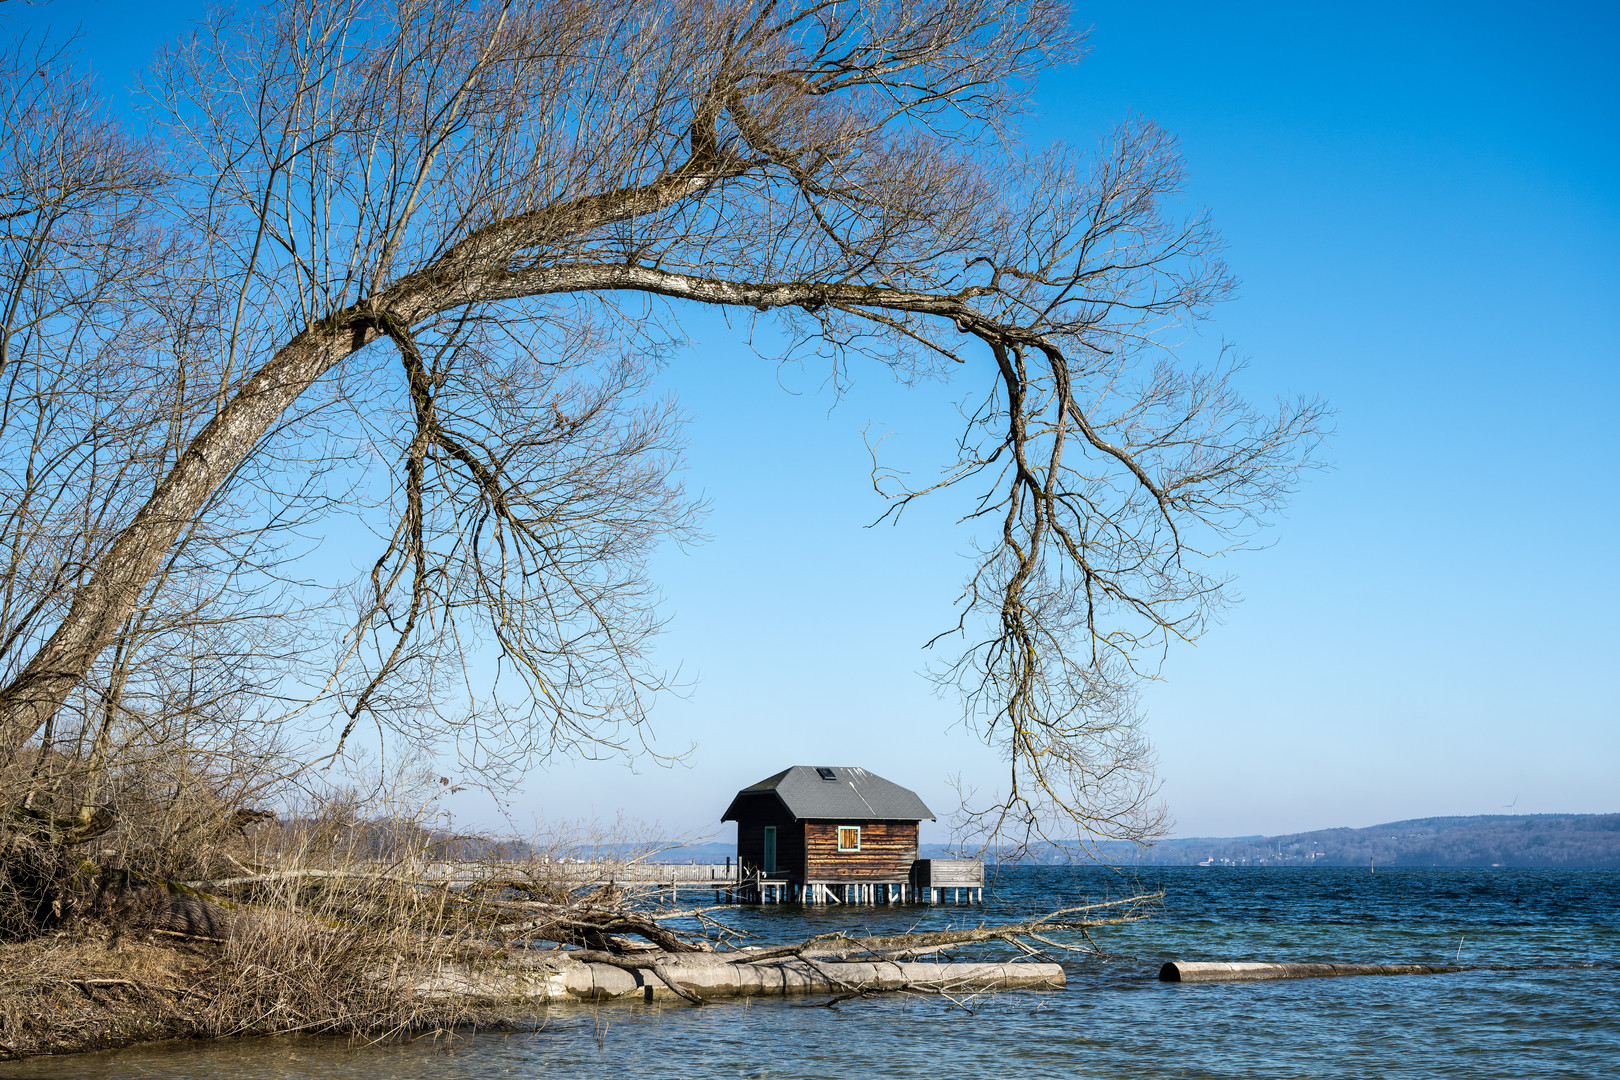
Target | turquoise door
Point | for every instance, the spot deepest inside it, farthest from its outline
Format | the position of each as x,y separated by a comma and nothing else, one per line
770,849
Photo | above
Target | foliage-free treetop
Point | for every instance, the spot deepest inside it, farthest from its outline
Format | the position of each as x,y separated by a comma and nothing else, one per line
448,235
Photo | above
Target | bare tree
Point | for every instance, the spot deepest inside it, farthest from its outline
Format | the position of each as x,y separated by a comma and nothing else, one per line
468,225
109,365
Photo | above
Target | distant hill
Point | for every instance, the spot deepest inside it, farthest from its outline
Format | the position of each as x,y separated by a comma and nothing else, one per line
1587,841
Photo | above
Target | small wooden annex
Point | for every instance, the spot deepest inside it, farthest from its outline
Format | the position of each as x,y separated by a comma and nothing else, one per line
823,832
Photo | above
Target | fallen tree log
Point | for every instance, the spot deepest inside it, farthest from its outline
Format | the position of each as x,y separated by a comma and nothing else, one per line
708,976
1202,971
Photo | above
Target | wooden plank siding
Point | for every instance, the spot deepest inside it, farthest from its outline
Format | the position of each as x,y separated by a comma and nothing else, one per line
888,849
758,812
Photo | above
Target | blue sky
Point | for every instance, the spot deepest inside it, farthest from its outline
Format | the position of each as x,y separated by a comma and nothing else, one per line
1423,204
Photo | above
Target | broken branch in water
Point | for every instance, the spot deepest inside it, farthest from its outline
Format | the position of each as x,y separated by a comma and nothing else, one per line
899,946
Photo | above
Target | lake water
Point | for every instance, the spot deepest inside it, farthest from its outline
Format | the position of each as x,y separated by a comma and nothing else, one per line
1549,1005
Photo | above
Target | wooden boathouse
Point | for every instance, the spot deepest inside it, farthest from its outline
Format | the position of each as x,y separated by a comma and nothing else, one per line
838,834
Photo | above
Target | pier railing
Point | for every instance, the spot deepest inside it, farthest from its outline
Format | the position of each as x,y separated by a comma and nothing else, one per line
931,881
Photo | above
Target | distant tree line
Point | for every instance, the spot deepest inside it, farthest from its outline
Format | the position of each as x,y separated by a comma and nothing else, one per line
1540,840
1575,841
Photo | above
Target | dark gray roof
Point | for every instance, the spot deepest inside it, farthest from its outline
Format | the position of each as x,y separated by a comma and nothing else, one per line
849,795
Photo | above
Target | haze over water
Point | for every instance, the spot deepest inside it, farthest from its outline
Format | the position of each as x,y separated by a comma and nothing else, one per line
1544,1004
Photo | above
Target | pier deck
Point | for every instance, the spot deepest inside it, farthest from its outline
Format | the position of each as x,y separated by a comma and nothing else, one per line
931,881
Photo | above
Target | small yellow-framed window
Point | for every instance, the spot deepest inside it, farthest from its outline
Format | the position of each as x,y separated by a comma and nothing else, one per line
849,838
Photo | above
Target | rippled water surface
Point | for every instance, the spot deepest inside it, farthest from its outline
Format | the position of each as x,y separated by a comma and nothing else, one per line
1546,1001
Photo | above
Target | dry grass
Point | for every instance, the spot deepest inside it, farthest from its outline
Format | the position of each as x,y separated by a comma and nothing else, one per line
83,990
278,972
292,958
189,917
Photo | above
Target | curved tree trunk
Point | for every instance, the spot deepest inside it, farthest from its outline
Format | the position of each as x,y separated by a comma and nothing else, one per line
105,601
465,273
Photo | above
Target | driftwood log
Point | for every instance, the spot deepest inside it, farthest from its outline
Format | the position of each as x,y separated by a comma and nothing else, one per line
1201,971
701,977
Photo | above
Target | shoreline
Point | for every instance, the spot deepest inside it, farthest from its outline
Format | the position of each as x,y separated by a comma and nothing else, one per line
137,992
